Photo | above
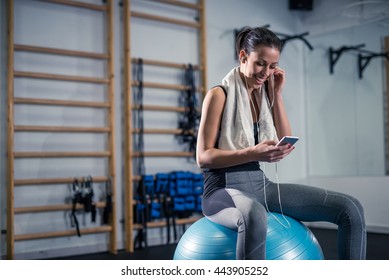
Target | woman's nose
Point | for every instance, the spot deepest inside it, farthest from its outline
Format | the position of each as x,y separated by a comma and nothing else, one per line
266,71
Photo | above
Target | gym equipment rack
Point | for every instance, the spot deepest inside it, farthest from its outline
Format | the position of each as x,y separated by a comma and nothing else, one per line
107,108
130,178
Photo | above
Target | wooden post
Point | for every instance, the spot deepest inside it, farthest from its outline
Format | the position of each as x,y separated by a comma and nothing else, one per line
111,121
10,138
129,245
129,107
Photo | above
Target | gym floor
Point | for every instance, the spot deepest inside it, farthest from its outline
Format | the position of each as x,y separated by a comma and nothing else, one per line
377,249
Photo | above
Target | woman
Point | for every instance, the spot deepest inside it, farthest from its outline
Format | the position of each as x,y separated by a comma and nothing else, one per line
241,122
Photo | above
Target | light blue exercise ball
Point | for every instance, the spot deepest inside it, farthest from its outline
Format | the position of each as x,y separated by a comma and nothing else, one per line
206,240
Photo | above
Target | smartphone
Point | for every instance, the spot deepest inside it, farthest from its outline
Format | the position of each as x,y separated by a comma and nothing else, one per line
288,140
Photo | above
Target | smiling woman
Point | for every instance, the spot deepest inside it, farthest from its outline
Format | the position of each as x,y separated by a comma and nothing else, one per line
234,141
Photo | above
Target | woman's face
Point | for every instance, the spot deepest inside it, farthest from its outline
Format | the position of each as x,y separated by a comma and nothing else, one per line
259,65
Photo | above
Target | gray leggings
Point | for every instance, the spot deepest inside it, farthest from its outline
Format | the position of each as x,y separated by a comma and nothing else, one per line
240,205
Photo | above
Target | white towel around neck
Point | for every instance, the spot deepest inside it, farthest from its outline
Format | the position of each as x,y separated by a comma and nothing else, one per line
237,127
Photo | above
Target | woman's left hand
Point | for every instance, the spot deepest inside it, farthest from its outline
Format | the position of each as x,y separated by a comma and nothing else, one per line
279,80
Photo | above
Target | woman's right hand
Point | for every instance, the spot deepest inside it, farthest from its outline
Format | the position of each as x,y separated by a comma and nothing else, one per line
267,151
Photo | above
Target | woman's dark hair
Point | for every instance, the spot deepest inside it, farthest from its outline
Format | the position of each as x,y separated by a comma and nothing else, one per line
249,38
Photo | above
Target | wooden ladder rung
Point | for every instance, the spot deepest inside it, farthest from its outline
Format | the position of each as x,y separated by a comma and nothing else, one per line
159,131
164,63
163,154
28,128
29,48
60,154
161,85
164,86
64,233
187,220
54,181
136,177
157,224
70,103
78,4
165,19
161,108
34,75
52,208
180,4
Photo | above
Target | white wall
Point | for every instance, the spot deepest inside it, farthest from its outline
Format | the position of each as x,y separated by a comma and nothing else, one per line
345,114
223,16
332,15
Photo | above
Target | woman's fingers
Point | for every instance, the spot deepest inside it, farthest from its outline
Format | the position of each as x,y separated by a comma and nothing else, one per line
280,152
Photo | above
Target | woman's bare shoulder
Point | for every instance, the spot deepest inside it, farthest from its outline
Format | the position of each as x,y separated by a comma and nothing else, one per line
216,92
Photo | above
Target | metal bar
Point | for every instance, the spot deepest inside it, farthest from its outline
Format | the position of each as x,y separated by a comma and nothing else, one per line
334,55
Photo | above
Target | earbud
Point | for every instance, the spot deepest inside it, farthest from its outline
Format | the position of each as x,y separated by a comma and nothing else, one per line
244,59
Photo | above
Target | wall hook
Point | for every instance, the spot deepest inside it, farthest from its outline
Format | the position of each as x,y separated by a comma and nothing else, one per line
364,60
334,55
292,37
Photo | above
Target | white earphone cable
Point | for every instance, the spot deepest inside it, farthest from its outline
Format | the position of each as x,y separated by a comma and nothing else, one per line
279,198
257,118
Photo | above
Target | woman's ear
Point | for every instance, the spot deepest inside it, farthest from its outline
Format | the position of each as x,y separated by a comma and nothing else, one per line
242,56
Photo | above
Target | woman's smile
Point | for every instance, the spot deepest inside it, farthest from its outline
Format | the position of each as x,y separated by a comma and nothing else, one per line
259,80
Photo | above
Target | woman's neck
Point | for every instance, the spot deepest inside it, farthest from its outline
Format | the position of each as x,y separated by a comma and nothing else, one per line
246,84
